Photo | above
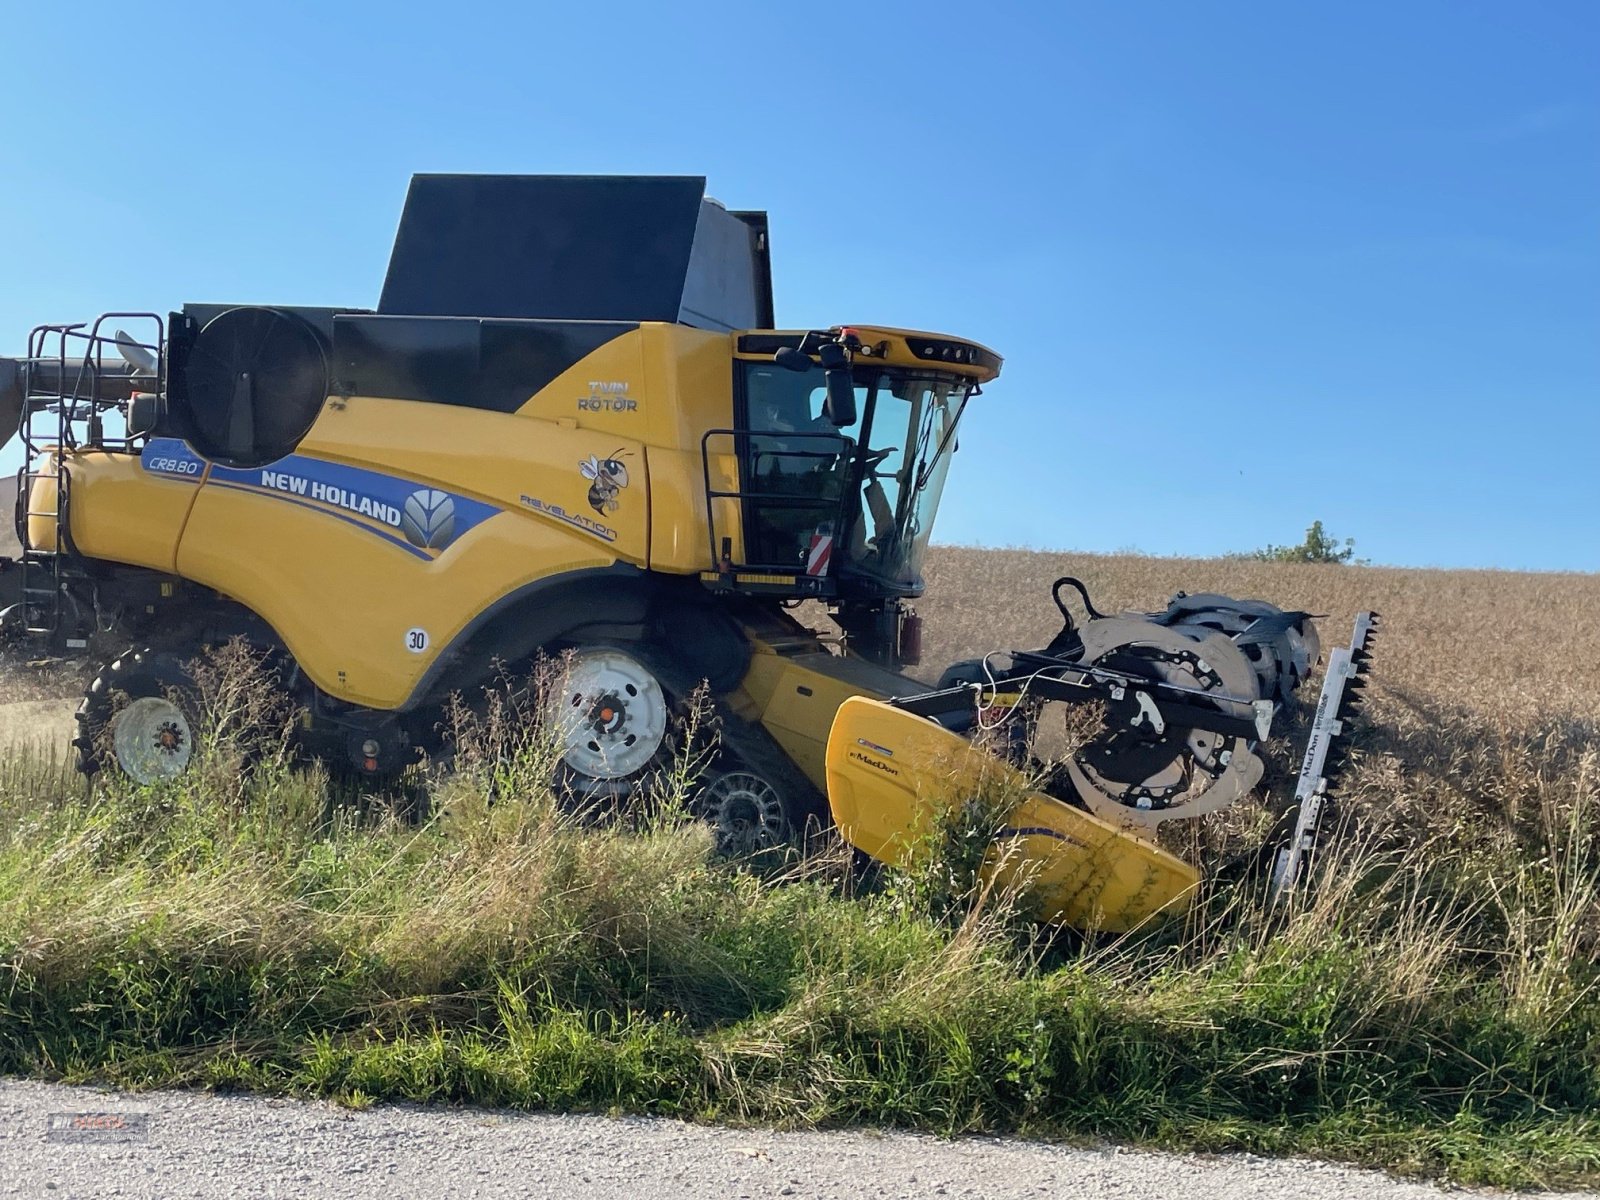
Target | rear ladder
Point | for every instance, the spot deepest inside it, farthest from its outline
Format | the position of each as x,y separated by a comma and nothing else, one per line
64,409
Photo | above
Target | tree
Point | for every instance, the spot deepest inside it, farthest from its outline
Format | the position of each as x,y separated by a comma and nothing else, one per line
1318,547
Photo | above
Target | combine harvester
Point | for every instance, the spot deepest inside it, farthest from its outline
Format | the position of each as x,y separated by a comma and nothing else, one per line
569,427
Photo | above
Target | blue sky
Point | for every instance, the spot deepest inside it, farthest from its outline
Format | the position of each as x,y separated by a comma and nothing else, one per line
1248,264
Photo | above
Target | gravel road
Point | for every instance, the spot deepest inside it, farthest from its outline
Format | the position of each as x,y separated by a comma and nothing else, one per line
195,1145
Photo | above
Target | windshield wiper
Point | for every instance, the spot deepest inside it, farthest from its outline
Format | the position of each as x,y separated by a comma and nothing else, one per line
928,464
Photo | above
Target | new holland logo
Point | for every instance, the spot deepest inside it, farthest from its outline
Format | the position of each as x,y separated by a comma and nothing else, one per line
428,519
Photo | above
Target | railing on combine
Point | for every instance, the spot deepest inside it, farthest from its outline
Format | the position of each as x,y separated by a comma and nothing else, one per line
76,377
787,502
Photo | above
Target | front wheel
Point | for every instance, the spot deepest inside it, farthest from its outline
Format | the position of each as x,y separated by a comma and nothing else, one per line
610,715
139,716
617,727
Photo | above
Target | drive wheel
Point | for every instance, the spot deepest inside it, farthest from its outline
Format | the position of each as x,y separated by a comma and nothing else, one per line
139,717
747,814
610,716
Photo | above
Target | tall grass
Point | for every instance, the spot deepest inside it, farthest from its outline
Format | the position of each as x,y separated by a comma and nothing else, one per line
1431,1004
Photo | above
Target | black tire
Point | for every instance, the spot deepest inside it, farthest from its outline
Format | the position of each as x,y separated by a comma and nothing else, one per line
138,675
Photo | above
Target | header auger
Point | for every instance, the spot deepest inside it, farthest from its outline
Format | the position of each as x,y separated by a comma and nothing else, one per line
570,428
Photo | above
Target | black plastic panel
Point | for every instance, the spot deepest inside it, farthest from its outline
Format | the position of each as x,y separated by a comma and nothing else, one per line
577,248
492,364
255,379
319,318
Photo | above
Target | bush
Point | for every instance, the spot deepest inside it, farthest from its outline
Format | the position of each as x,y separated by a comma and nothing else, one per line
1318,547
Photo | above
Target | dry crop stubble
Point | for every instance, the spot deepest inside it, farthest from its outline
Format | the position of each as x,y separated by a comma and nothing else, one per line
1483,719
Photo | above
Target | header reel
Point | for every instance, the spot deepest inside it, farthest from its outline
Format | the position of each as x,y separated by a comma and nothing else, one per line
1181,700
1187,695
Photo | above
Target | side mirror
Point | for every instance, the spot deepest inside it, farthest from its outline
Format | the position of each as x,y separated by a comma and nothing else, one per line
144,413
840,407
791,358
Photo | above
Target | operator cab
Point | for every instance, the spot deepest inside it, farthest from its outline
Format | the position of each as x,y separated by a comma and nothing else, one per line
844,439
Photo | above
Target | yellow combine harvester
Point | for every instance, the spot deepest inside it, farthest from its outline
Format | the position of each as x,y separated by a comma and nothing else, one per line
570,427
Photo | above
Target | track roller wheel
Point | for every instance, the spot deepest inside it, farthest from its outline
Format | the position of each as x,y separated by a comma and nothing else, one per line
747,814
140,717
617,714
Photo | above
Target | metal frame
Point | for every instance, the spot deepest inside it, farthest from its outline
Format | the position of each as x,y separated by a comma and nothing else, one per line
1324,757
748,498
1049,678
48,429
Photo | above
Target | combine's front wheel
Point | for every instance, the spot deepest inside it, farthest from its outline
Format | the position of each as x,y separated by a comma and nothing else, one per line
139,716
610,715
613,719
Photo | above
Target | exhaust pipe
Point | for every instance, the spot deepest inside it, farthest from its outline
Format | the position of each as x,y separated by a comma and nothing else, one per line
10,397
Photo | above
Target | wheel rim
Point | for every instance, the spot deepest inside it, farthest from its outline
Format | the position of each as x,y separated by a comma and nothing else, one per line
746,814
1198,774
612,715
152,740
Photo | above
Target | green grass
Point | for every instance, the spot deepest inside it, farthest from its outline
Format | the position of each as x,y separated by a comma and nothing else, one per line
1441,1021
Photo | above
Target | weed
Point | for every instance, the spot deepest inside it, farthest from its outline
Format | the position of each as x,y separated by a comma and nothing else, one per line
1431,1003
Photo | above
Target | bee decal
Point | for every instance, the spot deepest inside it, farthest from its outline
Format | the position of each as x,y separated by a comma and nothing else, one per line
607,477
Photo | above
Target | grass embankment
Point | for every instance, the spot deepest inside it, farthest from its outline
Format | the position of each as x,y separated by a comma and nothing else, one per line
1431,1005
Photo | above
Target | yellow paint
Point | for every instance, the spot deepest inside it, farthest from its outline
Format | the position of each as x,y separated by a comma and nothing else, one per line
344,600
796,695
118,510
42,501
890,774
527,466
577,394
664,385
679,542
889,346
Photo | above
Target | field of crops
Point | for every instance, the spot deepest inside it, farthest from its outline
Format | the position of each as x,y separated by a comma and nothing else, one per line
1431,1004
1485,711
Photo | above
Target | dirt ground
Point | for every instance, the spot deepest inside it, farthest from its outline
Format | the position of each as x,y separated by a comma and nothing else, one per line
35,726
